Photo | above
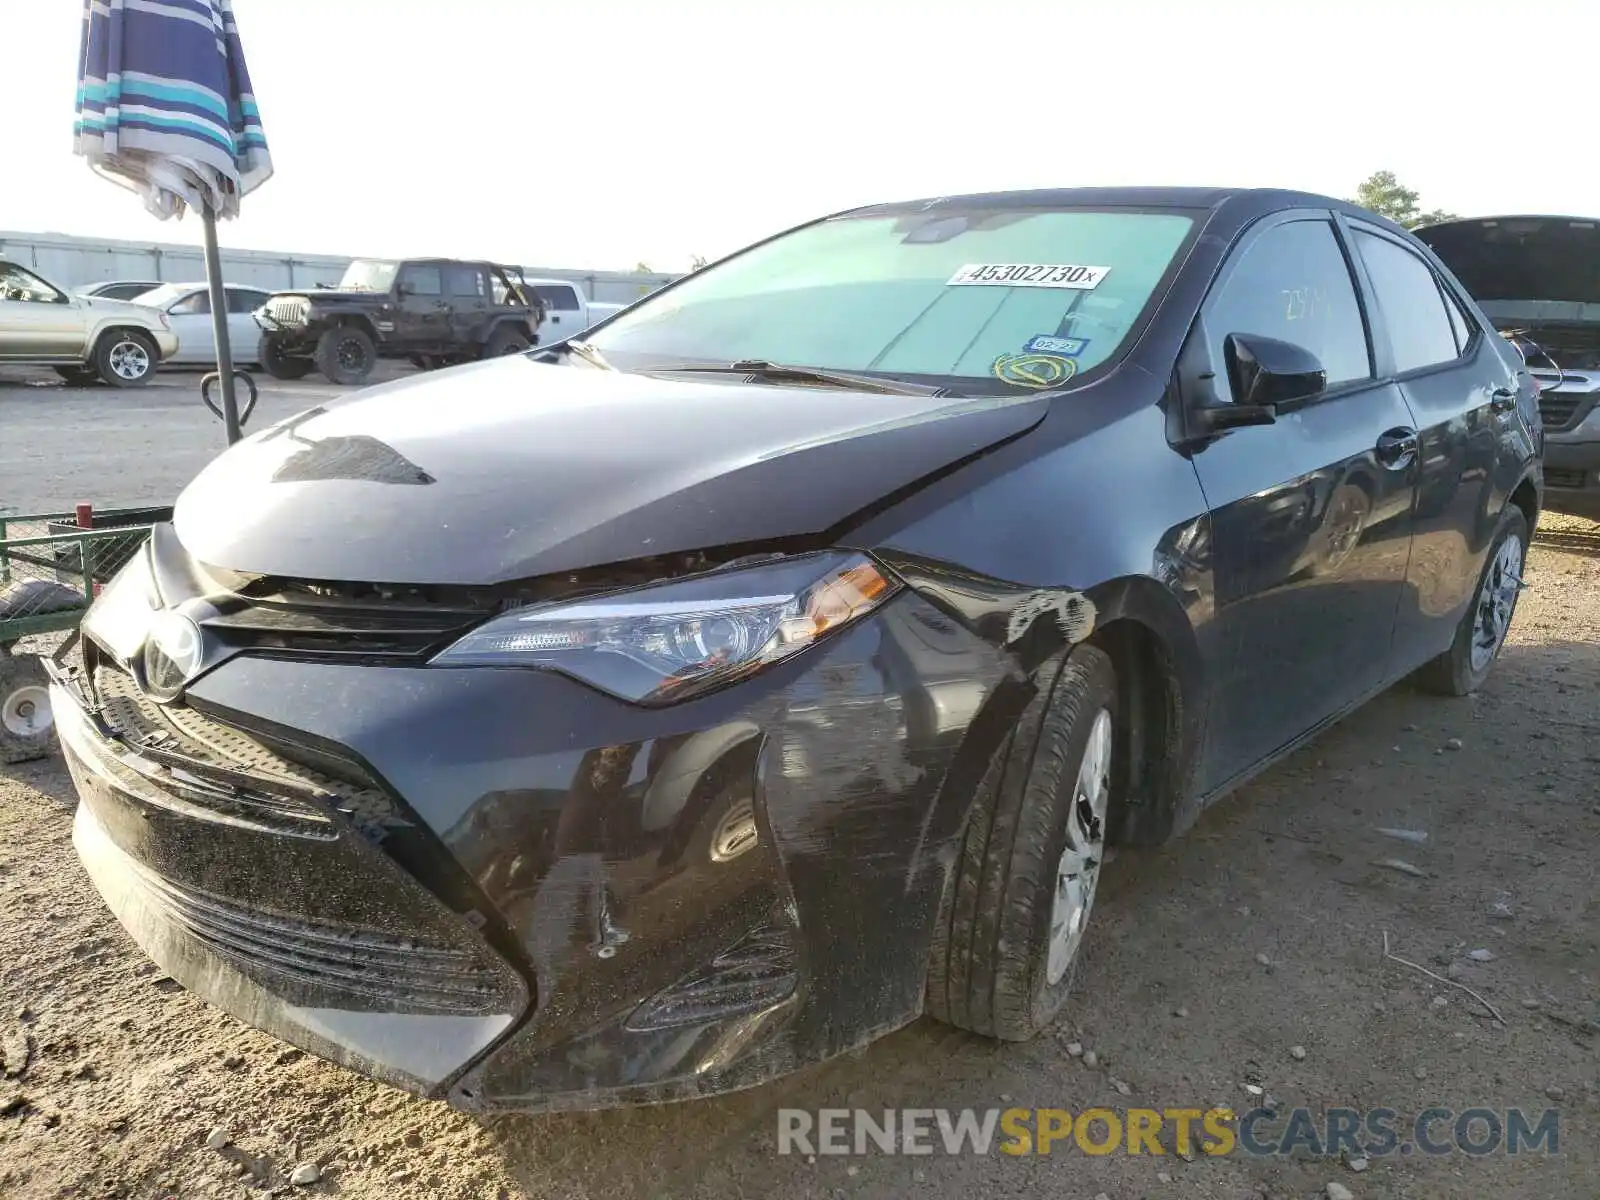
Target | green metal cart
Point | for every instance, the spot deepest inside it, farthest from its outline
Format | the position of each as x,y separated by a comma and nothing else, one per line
51,567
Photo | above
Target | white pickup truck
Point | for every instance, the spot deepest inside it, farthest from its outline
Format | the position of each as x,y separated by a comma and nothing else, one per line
567,312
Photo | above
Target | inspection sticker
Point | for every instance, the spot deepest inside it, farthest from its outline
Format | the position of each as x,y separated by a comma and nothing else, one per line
1067,347
1050,275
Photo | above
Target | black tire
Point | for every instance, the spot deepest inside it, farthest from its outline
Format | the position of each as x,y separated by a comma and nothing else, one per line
345,354
26,729
78,376
1453,672
280,365
125,358
507,339
991,946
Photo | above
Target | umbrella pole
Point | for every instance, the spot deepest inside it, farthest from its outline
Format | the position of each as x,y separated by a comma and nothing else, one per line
219,324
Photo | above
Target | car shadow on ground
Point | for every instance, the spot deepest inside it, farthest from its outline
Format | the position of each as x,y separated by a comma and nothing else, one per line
1259,930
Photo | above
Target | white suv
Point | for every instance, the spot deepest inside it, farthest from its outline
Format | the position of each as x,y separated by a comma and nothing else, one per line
85,338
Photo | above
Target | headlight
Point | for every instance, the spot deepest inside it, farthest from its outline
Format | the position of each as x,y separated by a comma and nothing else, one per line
660,644
119,618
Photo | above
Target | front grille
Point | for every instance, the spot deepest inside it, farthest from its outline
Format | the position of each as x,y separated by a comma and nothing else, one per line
181,730
289,310
1563,477
403,974
1559,411
343,620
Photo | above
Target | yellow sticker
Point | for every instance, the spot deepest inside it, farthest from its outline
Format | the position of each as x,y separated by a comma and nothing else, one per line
1035,370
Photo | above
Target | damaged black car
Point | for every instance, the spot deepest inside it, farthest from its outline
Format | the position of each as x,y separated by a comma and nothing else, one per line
649,715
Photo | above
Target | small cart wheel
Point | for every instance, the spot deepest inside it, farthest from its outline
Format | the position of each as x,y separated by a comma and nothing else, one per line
27,728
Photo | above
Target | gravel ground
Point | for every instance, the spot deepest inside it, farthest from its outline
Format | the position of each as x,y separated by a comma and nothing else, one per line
1210,964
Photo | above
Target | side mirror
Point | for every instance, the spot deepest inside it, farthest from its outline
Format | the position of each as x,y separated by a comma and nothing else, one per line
1267,372
1263,373
403,289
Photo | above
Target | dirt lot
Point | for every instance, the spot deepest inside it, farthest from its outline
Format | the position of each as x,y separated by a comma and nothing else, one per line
1208,964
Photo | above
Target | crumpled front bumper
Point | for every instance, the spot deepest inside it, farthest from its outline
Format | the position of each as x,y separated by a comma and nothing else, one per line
274,907
699,897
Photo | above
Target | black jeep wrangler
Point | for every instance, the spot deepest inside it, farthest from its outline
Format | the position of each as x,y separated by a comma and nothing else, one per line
433,311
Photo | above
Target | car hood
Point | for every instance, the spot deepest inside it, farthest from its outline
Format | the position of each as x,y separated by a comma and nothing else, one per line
1533,258
120,308
325,295
511,469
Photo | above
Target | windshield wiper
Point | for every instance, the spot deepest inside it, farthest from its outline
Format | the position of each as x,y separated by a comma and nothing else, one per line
589,354
763,369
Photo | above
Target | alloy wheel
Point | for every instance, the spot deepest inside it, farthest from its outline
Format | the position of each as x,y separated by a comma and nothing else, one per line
1078,871
129,360
1497,600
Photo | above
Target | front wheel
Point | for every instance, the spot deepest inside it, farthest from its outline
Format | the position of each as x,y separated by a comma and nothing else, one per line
279,364
1013,918
345,354
1462,669
125,358
26,728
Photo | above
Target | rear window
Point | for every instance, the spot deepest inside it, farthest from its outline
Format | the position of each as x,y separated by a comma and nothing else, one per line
980,299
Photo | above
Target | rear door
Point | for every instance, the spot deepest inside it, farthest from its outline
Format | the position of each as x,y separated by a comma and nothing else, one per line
468,289
1311,515
244,335
1462,391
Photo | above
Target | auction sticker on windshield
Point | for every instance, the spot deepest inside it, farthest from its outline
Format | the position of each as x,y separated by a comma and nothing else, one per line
1050,275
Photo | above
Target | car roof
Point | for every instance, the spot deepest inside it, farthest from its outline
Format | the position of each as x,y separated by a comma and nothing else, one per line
1245,201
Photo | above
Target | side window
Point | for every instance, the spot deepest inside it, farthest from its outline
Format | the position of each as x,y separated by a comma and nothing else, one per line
1461,325
1409,302
465,281
17,284
423,281
194,302
558,298
244,300
1293,284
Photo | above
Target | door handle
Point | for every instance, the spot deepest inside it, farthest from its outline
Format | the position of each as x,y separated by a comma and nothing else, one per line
1397,448
1502,400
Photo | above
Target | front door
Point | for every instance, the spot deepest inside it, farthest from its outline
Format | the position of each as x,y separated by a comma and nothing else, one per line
244,335
190,319
1311,515
422,314
36,320
563,315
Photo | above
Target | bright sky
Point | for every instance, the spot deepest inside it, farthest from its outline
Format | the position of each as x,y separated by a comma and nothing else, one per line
601,133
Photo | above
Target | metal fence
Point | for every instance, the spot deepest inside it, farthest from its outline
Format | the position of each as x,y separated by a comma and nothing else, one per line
73,262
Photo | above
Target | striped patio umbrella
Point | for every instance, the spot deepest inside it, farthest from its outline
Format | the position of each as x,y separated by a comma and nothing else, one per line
165,108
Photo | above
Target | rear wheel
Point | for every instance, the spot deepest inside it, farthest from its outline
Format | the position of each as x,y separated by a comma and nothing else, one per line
125,358
1012,922
27,730
507,339
279,364
1462,669
345,354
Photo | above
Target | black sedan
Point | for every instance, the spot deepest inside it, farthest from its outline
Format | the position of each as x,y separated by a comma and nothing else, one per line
649,715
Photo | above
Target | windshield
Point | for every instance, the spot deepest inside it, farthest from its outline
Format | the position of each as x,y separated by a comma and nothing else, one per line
975,298
367,275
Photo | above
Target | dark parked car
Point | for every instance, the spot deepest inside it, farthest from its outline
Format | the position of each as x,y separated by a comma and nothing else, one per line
432,311
649,715
1537,278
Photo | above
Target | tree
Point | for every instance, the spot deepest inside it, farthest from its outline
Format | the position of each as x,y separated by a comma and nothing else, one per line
642,269
698,261
1383,194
